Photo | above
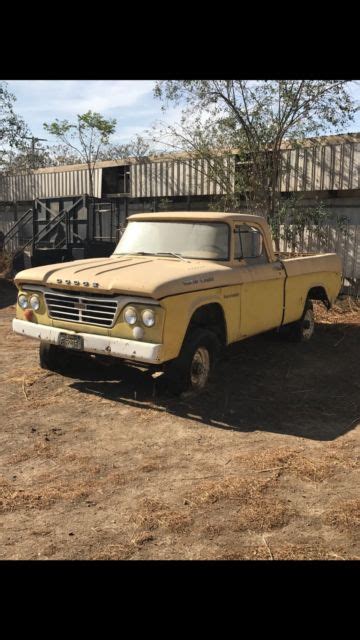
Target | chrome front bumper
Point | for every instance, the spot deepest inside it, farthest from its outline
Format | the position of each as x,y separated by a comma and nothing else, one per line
118,347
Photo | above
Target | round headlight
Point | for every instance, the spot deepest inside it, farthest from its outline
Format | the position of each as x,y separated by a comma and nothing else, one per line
35,302
23,301
148,317
130,315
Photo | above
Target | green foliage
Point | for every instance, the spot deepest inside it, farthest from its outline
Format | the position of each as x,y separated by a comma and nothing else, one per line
12,127
137,148
86,137
254,118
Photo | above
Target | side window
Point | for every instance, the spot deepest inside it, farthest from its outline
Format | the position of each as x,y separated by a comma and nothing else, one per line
249,245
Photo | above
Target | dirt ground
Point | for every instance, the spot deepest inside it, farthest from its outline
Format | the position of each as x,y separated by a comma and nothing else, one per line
104,463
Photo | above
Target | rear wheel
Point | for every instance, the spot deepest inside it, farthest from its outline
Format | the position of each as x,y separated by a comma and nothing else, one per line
191,370
303,329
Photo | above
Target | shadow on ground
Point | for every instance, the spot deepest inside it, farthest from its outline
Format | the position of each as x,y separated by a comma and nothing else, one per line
262,384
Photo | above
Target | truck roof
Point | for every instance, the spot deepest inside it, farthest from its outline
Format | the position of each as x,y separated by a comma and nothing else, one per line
213,216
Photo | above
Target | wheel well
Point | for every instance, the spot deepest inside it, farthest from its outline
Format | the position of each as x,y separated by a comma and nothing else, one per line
319,293
210,316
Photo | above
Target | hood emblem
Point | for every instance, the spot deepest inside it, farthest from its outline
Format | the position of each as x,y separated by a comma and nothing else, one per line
77,283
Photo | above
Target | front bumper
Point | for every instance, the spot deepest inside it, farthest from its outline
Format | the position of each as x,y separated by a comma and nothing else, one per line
118,347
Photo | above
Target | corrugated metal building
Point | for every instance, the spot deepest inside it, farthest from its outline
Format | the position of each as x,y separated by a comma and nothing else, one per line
55,182
326,169
327,164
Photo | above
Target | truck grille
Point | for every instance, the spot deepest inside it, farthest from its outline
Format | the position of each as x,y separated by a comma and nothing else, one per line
85,309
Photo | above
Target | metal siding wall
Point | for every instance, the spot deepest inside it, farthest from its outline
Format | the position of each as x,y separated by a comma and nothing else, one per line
346,167
199,181
356,166
351,171
168,178
309,170
171,169
187,179
337,167
164,190
192,177
232,169
327,168
322,167
205,177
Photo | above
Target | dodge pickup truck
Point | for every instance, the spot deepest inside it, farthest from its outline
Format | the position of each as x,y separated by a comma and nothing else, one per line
178,287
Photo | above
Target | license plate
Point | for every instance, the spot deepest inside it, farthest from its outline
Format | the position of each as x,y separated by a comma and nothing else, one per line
71,342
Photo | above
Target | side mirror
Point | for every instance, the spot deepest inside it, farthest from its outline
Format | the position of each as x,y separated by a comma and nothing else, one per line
251,243
257,244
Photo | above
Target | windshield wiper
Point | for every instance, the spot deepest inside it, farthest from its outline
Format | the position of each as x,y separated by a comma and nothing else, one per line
170,253
148,253
142,253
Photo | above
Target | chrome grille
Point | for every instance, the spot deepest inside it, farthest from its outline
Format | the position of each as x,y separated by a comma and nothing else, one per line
84,309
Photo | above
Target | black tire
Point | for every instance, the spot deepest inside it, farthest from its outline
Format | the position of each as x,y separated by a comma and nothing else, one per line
303,329
53,358
191,370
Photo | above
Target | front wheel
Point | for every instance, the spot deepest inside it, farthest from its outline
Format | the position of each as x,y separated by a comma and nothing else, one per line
191,370
53,358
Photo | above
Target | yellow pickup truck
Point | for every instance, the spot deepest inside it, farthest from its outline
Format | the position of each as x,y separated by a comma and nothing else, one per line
178,287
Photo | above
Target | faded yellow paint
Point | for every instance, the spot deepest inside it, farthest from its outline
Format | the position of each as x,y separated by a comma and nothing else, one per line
250,295
298,286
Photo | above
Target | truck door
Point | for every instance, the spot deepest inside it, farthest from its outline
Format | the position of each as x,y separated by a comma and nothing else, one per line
262,288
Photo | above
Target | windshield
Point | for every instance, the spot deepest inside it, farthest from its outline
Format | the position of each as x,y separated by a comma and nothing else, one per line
201,240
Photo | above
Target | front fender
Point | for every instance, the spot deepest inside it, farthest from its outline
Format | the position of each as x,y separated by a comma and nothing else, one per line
179,311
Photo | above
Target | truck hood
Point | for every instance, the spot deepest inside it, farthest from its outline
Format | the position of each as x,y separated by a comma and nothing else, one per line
155,277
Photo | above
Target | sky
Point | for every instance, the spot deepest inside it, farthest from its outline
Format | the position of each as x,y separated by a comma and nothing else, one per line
131,102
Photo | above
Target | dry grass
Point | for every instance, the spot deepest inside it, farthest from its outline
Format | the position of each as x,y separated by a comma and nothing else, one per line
71,485
148,467
256,511
332,459
142,538
113,552
228,488
348,307
262,515
123,550
286,551
38,450
346,517
41,497
153,514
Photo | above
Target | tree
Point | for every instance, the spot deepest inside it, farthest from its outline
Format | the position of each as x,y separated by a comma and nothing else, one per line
86,138
12,127
137,148
255,118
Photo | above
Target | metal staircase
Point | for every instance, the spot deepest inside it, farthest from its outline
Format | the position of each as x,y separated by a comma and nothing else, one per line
14,238
87,228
